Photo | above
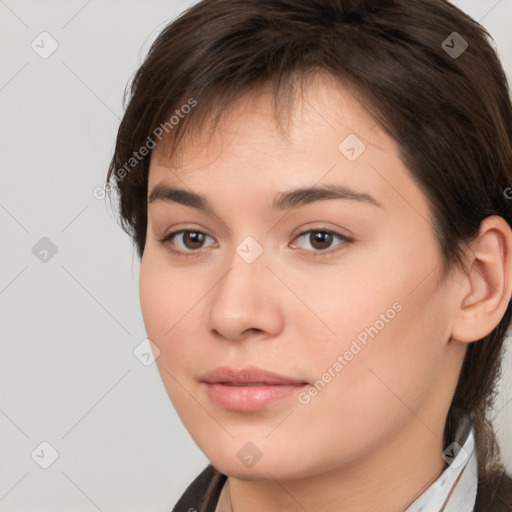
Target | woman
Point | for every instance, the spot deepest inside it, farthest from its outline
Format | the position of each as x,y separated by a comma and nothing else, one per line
319,194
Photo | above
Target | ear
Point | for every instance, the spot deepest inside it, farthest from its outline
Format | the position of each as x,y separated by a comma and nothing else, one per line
486,289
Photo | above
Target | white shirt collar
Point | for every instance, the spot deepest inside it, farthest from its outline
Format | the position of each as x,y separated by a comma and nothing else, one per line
454,490
456,487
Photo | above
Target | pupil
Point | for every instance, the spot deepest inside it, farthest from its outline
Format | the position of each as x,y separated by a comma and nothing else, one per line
195,237
322,237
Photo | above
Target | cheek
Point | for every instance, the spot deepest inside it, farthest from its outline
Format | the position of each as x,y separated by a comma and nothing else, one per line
162,300
170,310
391,350
387,338
381,384
162,307
152,297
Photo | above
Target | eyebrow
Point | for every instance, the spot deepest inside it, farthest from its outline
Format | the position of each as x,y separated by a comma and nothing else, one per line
284,200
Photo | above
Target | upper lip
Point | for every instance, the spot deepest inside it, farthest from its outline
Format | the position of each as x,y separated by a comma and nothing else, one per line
247,375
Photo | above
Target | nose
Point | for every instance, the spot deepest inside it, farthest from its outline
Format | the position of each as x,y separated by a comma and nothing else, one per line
248,299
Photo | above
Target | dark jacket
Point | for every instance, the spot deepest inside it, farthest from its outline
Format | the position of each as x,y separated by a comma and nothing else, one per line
211,481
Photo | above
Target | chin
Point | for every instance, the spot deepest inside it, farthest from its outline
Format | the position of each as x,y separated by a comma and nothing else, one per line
268,466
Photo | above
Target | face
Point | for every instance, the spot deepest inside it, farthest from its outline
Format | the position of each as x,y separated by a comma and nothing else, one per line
341,295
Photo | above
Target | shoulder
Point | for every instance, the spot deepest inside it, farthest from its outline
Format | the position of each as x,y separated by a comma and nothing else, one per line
495,495
203,493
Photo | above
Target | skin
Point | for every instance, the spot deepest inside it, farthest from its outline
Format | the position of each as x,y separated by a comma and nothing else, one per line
372,438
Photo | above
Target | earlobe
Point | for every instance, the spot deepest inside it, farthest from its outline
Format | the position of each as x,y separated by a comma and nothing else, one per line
489,279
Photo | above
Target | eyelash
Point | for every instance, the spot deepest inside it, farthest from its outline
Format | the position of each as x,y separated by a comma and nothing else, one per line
193,253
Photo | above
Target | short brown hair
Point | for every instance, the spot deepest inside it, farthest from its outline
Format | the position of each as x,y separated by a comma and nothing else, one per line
450,114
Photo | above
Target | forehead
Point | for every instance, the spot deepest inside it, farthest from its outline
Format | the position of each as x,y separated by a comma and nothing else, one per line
326,128
322,107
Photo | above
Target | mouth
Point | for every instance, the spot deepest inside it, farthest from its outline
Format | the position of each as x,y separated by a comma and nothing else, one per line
248,389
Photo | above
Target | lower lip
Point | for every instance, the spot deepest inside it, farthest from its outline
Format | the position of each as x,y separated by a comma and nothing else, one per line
249,398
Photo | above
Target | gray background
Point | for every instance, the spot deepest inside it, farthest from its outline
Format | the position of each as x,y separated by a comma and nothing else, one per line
69,325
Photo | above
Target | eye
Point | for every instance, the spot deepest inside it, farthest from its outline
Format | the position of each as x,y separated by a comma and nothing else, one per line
191,240
321,239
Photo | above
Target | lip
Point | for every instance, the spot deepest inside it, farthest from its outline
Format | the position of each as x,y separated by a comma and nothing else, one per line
247,375
249,388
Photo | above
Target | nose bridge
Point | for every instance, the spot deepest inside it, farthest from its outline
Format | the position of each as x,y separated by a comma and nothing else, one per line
246,275
242,298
